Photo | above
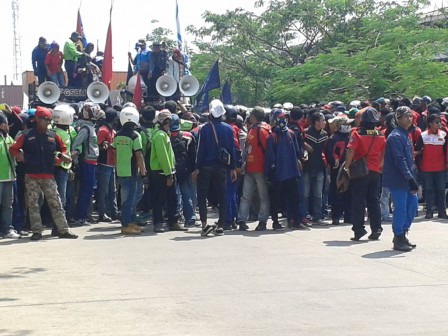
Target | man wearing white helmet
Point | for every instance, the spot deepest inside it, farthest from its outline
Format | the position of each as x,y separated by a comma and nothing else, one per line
63,119
87,141
130,163
215,154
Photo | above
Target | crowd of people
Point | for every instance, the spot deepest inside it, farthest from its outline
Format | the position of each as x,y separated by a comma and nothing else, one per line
167,165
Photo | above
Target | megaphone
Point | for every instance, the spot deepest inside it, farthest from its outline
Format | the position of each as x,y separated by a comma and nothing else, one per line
166,86
48,93
97,92
189,85
133,82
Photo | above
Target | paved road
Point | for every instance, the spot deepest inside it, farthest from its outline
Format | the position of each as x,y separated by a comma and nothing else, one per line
292,283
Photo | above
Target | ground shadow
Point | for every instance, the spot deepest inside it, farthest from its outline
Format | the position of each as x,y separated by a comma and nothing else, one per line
119,235
384,254
344,243
8,332
105,229
21,272
24,240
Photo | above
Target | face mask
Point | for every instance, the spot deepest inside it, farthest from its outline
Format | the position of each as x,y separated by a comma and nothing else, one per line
345,128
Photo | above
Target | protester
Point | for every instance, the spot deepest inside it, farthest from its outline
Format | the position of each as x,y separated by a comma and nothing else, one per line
38,60
53,65
71,57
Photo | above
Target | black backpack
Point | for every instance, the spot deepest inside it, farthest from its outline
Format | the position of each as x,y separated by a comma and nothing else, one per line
180,153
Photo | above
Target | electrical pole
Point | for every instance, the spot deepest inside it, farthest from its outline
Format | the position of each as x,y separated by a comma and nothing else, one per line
17,49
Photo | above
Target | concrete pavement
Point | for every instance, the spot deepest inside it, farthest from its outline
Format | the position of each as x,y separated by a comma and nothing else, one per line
244,283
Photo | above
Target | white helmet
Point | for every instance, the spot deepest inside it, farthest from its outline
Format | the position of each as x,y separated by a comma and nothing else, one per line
288,106
130,104
63,114
129,114
91,111
355,103
216,108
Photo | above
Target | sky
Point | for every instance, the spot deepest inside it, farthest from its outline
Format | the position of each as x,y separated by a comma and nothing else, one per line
131,19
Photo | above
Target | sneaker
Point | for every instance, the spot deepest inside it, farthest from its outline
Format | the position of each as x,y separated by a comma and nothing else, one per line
190,224
320,222
158,228
67,235
386,219
136,227
23,233
227,227
129,230
144,215
207,230
261,226
300,226
306,222
177,227
243,226
234,226
54,232
335,222
36,236
104,218
12,234
442,216
80,222
374,236
359,235
277,227
428,215
218,232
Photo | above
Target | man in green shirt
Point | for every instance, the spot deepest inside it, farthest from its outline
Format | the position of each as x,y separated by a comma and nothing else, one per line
128,149
163,179
71,56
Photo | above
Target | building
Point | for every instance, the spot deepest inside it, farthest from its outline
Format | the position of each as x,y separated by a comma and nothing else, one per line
11,95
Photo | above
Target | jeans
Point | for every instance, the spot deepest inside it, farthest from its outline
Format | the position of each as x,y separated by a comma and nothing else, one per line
106,189
57,78
128,187
138,193
434,186
87,183
217,178
254,182
61,178
18,210
405,207
314,181
186,190
366,191
290,190
70,68
231,205
6,199
385,195
340,202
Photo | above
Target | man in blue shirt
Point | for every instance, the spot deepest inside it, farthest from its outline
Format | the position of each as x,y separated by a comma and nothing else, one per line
38,60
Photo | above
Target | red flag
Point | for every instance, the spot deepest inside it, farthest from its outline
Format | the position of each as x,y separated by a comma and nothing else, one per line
107,62
137,99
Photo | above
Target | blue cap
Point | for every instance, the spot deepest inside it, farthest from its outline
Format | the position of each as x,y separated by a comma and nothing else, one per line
175,123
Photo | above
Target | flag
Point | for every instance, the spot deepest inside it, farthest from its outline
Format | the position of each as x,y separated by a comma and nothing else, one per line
137,99
211,82
180,43
80,29
107,62
204,106
130,72
226,95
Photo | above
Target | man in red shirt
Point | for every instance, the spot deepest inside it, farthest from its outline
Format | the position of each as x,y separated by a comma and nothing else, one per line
253,169
38,149
53,65
431,145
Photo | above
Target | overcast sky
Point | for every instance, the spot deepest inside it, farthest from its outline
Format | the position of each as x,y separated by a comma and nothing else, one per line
131,20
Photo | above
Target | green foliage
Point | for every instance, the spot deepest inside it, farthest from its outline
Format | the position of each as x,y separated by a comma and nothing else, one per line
306,50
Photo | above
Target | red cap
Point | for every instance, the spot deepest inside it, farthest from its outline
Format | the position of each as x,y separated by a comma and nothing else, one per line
16,110
42,112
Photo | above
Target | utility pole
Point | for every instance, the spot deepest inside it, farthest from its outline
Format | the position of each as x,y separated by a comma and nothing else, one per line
17,49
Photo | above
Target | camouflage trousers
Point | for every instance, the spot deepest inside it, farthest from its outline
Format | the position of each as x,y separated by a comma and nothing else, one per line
35,189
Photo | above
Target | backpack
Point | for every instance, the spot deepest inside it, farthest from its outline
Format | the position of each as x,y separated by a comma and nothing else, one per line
180,153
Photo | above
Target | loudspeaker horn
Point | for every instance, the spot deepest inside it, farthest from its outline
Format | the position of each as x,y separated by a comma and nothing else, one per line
189,85
48,93
133,82
166,86
97,92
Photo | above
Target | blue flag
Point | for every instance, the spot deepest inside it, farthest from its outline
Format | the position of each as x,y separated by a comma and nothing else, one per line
211,82
226,95
204,106
80,30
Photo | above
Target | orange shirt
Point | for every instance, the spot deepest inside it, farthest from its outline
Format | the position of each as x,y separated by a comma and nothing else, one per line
255,148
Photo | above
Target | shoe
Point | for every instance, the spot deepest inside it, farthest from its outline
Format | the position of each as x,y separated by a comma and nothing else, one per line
359,235
36,236
243,226
374,236
144,216
177,227
407,240
218,232
80,222
276,226
442,216
67,235
23,233
54,232
386,219
428,215
300,226
234,226
335,222
227,227
306,222
130,230
261,226
190,224
158,228
12,234
104,218
400,243
320,222
207,229
136,227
